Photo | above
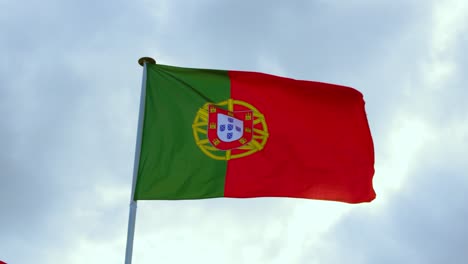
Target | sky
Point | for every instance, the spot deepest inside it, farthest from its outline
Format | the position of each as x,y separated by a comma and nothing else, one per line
69,98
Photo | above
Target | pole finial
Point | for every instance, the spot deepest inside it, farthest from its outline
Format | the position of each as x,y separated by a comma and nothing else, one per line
148,60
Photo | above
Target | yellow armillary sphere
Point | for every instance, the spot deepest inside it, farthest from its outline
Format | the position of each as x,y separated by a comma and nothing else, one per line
229,129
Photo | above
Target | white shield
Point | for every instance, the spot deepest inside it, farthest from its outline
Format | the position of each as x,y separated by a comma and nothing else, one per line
229,128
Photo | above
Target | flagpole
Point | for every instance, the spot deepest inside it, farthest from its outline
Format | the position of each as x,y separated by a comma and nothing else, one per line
133,204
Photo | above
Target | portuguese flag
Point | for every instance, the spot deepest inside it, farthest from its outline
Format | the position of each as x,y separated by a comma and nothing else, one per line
213,133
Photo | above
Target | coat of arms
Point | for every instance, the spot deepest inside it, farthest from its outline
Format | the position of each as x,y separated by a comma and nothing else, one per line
229,129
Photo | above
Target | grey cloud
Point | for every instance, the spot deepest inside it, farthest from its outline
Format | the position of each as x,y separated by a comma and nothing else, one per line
69,88
371,46
423,223
61,127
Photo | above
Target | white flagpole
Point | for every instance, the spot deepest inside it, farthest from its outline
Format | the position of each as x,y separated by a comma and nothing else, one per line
133,204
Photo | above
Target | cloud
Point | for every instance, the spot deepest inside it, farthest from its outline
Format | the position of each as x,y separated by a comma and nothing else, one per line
68,122
422,223
420,218
69,91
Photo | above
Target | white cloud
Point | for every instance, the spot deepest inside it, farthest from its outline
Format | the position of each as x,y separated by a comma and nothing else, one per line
449,23
69,92
408,138
421,168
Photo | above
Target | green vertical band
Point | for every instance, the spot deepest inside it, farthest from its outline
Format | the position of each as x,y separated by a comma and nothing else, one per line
171,164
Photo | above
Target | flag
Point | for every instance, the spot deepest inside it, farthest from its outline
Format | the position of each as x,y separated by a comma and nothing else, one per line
1,262
213,133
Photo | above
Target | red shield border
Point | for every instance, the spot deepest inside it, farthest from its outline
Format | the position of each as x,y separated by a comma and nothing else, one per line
245,116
